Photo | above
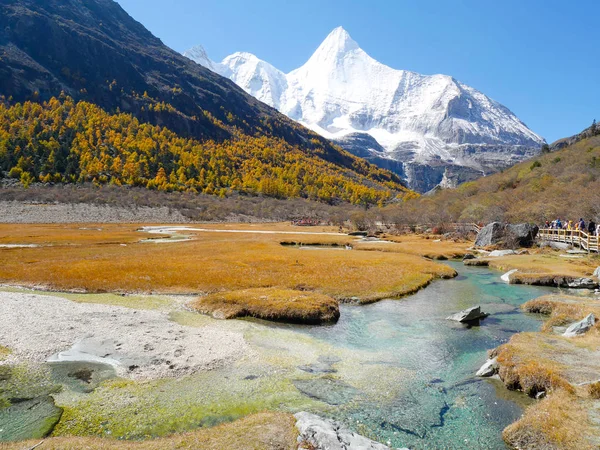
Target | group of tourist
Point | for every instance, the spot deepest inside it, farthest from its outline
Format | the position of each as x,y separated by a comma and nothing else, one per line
579,225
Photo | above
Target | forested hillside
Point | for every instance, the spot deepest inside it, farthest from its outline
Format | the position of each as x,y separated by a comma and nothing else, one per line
564,183
62,141
135,112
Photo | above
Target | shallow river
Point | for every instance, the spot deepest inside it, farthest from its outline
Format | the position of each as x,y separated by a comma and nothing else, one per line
442,405
395,371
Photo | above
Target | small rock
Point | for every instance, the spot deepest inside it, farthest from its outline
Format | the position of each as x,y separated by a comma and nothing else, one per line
506,276
558,245
468,256
540,395
581,327
597,272
582,283
468,315
498,253
489,369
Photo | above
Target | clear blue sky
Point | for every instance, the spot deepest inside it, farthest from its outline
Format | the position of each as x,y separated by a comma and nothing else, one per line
540,58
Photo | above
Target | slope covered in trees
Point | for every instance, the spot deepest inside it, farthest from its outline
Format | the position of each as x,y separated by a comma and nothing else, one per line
94,51
564,183
62,141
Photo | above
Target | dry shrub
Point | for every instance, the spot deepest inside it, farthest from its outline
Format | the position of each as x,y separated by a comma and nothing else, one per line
539,306
594,390
521,371
195,207
556,422
536,377
282,305
562,310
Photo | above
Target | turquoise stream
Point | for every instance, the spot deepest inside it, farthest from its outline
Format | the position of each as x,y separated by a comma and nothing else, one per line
443,405
395,371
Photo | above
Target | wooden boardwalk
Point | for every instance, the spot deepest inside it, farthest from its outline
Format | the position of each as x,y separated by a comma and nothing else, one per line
576,238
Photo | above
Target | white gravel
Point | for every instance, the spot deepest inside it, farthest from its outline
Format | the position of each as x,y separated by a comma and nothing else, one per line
140,344
20,212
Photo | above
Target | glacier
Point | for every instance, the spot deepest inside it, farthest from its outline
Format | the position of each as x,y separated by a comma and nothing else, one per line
430,129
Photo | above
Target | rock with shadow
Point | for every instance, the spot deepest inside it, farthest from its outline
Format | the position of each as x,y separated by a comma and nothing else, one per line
468,316
581,327
321,433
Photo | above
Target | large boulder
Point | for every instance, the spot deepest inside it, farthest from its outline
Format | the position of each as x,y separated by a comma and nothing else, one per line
523,234
507,235
491,234
580,327
468,315
324,434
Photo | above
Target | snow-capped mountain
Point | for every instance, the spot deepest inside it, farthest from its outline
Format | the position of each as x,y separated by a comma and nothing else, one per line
430,129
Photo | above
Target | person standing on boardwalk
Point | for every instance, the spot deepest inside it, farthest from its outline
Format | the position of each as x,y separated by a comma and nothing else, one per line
592,227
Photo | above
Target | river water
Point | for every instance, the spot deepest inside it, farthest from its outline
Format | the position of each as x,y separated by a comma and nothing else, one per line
395,371
441,404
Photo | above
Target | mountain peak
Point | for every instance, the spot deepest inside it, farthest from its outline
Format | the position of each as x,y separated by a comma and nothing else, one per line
336,43
424,122
199,55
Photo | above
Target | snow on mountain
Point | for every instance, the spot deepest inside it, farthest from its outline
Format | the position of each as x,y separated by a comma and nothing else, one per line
438,129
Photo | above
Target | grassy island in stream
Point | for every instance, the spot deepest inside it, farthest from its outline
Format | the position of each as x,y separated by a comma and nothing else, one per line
542,267
270,304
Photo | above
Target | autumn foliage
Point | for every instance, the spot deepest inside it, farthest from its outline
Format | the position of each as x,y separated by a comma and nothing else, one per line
61,141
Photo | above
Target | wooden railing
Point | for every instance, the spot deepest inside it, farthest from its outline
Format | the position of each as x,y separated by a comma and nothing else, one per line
463,227
582,239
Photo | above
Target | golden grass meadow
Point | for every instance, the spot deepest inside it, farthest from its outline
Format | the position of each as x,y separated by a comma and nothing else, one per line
222,258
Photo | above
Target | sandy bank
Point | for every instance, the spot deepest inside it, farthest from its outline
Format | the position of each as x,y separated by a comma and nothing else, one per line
140,344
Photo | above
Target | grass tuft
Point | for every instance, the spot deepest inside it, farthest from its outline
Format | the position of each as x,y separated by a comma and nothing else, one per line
523,368
262,431
282,305
562,309
556,422
4,352
594,390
